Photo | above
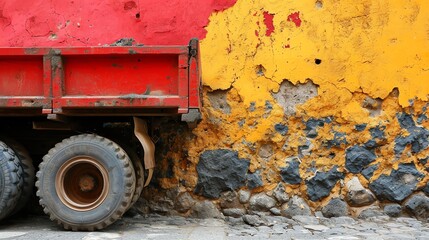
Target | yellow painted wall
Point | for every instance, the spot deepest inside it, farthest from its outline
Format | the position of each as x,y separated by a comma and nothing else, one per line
370,50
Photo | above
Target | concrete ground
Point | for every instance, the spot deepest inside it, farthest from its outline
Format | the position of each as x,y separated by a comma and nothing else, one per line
171,228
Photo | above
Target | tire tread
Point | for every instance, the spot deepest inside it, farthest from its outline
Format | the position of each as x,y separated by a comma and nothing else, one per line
12,172
129,181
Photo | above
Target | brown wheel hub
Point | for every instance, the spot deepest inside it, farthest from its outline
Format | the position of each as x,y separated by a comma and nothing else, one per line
82,183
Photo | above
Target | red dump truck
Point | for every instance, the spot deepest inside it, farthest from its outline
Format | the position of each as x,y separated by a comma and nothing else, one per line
87,112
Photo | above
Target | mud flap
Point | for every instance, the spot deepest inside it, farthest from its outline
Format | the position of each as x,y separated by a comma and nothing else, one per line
141,132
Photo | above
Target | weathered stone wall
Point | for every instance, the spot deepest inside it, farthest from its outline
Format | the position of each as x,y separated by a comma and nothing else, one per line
308,105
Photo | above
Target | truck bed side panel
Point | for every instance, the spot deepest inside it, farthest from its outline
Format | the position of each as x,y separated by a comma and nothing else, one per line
136,80
121,75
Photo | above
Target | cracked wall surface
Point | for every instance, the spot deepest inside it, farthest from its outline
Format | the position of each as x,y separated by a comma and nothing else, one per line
317,91
318,100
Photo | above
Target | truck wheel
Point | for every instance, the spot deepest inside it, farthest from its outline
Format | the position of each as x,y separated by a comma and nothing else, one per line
11,181
86,182
28,172
139,170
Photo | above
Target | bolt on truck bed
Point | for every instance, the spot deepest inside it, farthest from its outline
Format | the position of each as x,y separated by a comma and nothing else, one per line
120,80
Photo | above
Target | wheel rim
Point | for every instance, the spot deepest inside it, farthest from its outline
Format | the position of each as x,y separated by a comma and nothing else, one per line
82,183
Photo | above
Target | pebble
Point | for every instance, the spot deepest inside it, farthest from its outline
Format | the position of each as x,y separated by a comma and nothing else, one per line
316,227
253,220
243,196
307,220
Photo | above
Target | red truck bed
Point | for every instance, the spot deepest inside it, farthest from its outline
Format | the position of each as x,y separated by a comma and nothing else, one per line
120,80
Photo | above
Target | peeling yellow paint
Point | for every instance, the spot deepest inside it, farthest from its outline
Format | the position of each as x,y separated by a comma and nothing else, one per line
369,60
370,46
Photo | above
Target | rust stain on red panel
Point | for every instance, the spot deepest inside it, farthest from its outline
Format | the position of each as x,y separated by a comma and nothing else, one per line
130,5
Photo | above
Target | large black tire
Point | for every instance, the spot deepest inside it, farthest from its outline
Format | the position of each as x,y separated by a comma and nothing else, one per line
28,172
138,167
86,182
11,181
139,171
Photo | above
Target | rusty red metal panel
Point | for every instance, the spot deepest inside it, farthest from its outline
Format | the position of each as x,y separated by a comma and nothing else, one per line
59,79
47,84
117,75
21,76
195,82
105,102
183,80
22,83
108,50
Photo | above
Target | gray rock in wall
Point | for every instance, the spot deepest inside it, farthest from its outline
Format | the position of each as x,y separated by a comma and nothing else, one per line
161,204
421,118
229,199
275,211
280,194
398,185
290,174
335,208
371,144
357,195
378,137
424,161
206,209
290,95
369,171
252,106
373,105
393,210
282,129
378,132
218,101
418,137
338,140
265,151
322,183
268,106
253,220
296,206
312,125
261,202
360,127
184,202
418,205
405,120
243,196
234,212
370,212
360,198
426,189
357,158
305,149
254,180
220,170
